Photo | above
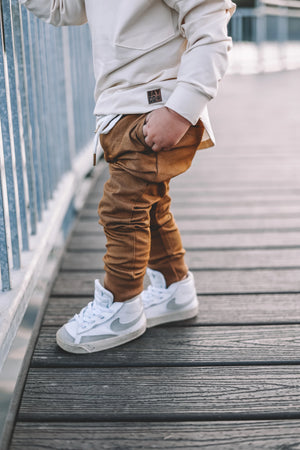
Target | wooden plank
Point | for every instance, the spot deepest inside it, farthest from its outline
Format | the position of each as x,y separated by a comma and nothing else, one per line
235,195
215,192
220,196
194,209
205,241
228,172
195,198
213,169
184,199
87,241
196,202
240,240
200,260
212,181
250,166
226,192
243,176
194,393
183,346
207,282
229,181
279,434
83,261
210,224
238,211
214,310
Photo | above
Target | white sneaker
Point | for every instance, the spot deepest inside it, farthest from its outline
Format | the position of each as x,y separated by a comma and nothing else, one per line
177,302
103,324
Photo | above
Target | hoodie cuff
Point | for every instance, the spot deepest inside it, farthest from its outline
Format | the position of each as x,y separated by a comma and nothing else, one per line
188,102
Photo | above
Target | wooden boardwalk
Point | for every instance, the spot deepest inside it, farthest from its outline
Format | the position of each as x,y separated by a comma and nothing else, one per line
229,379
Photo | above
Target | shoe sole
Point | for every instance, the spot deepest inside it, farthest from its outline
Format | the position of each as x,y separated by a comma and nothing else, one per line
98,346
172,317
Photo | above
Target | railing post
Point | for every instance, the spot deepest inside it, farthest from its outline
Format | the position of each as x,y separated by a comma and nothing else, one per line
6,139
69,92
30,62
5,278
42,108
283,35
23,93
260,35
8,36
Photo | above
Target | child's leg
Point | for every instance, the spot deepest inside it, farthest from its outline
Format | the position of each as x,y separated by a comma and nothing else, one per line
139,180
125,215
167,253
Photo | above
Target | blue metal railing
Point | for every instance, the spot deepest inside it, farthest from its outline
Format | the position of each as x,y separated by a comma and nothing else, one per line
46,92
269,20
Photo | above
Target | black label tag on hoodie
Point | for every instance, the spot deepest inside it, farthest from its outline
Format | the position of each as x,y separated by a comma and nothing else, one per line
154,96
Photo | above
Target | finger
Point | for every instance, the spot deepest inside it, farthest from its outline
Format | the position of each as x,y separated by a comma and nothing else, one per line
145,130
148,141
156,148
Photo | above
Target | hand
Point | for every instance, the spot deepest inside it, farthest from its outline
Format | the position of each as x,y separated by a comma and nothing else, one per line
164,128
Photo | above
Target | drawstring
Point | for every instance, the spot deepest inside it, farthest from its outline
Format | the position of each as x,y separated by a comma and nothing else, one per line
96,142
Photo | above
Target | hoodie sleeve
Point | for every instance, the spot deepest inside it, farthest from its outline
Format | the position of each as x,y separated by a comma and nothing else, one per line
58,12
204,62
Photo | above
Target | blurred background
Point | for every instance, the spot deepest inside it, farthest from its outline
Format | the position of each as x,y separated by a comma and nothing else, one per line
266,34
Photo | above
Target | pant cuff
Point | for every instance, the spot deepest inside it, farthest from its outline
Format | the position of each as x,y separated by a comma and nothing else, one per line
123,289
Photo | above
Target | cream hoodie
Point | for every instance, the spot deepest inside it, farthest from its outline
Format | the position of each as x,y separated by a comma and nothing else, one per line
151,53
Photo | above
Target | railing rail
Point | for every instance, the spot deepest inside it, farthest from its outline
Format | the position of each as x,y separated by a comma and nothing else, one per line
284,3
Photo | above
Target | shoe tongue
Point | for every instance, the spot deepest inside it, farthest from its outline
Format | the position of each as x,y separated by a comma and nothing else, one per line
157,279
102,295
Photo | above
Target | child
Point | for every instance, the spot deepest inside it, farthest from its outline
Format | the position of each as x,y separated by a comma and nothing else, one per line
157,64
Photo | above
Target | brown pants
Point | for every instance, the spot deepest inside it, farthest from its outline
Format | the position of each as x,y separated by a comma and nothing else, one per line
135,207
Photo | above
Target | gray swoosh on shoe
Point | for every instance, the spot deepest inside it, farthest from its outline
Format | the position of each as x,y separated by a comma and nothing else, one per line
173,306
117,326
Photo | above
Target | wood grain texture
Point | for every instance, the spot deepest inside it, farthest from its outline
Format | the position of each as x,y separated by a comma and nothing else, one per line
183,346
213,381
160,393
213,223
181,188
208,281
262,435
187,186
215,169
261,204
205,241
214,310
227,210
186,197
199,260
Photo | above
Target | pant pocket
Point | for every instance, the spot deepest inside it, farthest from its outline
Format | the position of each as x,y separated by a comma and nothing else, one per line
177,160
137,135
125,146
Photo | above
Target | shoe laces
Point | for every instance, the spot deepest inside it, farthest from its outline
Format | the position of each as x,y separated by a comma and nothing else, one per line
88,316
93,312
154,295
